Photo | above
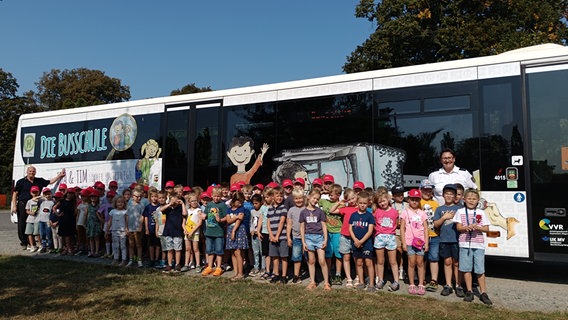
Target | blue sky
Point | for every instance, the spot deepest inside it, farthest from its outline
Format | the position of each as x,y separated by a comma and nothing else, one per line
157,46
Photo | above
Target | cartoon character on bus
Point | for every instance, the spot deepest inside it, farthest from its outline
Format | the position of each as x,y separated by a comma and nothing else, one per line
240,153
150,166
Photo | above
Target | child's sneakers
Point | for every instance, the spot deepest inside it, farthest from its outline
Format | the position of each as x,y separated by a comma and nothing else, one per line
447,291
459,292
140,264
432,286
207,271
381,284
296,280
412,289
421,290
468,296
485,299
218,272
130,263
394,286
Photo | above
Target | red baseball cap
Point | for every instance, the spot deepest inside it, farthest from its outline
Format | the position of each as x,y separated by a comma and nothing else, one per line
58,194
170,184
317,182
111,194
235,187
328,178
34,189
132,185
300,181
63,186
46,190
186,189
113,184
205,195
287,183
87,192
414,193
258,186
272,184
358,185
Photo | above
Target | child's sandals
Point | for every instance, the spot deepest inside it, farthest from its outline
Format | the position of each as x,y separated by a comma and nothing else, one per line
311,286
349,283
265,276
327,287
237,278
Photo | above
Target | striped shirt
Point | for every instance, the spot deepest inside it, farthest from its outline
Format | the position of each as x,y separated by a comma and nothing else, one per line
273,216
472,239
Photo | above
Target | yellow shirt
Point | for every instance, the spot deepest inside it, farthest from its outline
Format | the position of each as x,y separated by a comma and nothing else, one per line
430,206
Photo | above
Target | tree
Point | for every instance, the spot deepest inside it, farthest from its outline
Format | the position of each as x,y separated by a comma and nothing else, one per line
189,88
11,107
411,32
78,88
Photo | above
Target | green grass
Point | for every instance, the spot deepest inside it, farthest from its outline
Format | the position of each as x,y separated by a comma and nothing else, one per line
57,289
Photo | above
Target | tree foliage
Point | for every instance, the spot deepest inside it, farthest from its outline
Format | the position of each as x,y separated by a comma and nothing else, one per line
11,107
411,32
189,88
78,88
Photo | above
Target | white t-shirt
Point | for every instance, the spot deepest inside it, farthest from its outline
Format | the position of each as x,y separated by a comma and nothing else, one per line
194,215
82,216
45,210
117,220
31,205
473,239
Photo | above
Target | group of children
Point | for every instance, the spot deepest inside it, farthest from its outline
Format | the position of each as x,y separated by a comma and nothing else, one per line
258,230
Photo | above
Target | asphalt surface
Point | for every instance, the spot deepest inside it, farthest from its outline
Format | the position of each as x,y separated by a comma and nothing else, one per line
516,286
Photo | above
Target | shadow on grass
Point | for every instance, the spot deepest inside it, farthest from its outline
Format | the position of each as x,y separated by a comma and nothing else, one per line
39,287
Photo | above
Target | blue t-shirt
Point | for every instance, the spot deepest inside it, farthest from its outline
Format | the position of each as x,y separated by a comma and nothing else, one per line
174,220
248,208
273,217
312,220
149,214
448,232
360,224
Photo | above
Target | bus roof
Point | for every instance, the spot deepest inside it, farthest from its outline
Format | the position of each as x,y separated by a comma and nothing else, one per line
504,64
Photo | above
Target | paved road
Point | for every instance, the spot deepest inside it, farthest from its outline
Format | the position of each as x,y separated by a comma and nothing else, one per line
515,286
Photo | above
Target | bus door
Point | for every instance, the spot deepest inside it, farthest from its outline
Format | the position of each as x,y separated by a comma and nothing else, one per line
547,112
191,140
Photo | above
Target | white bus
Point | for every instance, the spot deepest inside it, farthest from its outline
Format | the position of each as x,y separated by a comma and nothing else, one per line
505,116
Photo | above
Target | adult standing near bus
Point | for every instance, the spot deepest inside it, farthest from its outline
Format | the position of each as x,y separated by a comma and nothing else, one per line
22,194
449,173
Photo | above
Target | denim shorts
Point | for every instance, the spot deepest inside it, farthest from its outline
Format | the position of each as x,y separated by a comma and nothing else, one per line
412,251
313,241
434,249
472,260
332,248
173,243
215,245
345,245
386,241
32,228
297,250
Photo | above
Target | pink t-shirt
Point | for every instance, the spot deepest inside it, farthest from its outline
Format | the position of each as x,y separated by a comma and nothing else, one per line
414,224
385,221
346,212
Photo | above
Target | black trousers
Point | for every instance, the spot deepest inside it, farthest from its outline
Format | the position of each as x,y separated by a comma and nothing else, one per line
22,217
